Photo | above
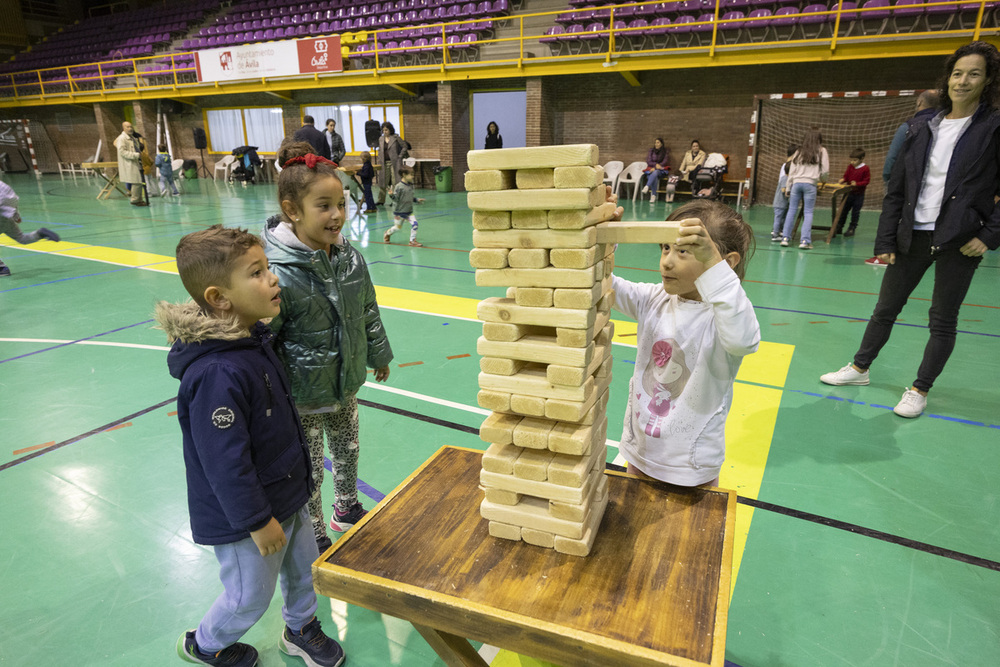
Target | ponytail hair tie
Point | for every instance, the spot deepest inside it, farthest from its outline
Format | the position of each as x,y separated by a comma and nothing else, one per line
310,160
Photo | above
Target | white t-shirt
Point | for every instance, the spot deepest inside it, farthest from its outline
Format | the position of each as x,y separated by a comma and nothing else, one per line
932,189
688,353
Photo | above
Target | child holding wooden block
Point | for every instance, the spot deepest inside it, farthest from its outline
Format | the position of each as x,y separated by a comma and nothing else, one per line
694,330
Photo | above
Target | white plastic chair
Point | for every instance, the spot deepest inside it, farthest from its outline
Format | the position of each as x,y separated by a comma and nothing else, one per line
225,164
175,167
611,172
632,175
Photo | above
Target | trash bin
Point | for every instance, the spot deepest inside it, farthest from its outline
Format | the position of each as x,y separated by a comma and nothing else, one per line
190,169
442,178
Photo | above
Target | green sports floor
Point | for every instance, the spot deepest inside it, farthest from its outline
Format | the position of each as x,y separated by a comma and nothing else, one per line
863,538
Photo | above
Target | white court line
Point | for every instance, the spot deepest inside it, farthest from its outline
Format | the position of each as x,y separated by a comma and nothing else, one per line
84,342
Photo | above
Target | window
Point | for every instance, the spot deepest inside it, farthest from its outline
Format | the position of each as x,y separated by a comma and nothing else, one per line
262,127
351,120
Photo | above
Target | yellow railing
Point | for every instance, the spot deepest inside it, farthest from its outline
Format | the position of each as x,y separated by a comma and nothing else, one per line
609,43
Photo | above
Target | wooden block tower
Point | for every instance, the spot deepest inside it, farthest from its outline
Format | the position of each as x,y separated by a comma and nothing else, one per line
546,347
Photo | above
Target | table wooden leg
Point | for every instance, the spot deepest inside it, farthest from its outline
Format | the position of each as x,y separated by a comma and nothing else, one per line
838,207
454,650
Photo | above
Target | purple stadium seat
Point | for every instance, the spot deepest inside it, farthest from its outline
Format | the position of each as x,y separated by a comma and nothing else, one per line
783,27
905,18
730,30
874,22
552,34
269,34
817,24
757,29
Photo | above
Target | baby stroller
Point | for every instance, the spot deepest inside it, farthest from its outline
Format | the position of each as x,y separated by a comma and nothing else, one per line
247,161
706,183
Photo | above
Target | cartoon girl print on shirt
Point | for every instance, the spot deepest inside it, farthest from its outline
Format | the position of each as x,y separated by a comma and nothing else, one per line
663,380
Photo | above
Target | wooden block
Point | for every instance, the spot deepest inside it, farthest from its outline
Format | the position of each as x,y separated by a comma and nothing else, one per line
577,177
490,179
491,220
581,547
499,428
533,488
537,349
529,219
500,458
531,179
488,258
494,400
510,332
606,336
561,409
532,406
581,219
533,297
533,464
605,368
505,531
617,231
570,512
573,470
577,439
506,311
501,497
533,433
535,157
547,277
582,299
499,366
609,266
545,238
532,514
538,538
604,305
532,381
525,258
577,258
533,200
579,337
574,376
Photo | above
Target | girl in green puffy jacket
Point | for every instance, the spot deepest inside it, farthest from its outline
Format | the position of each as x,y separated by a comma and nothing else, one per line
329,330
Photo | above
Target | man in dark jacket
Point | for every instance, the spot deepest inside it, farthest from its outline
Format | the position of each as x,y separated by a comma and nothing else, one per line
927,103
314,137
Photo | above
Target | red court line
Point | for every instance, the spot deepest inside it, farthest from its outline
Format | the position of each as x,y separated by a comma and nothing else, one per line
412,363
32,448
820,322
825,289
172,413
780,324
115,428
458,356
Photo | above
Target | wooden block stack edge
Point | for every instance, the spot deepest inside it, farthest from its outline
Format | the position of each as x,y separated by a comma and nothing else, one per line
546,346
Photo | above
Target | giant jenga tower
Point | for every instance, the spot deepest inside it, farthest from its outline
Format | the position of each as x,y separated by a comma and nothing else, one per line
546,347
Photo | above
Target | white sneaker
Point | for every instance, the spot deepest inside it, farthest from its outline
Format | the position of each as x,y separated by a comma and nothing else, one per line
911,405
846,375
645,189
784,242
652,198
805,245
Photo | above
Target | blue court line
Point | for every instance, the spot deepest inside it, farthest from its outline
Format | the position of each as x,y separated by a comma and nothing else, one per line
421,266
72,342
61,280
957,420
847,317
363,486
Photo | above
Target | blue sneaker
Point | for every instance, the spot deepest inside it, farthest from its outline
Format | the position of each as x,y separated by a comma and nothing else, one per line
341,522
312,645
237,655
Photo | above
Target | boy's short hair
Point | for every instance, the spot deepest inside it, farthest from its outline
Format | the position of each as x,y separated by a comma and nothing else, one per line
790,151
208,258
405,171
162,148
365,156
858,154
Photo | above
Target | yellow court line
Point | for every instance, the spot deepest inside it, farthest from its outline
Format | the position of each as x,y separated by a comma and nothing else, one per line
749,428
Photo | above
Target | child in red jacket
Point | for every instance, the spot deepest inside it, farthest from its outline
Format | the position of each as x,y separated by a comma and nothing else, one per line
858,176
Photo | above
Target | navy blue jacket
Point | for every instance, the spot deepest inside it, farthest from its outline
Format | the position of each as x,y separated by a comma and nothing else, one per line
315,138
244,449
968,209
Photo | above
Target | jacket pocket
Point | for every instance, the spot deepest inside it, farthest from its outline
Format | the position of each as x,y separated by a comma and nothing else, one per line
289,464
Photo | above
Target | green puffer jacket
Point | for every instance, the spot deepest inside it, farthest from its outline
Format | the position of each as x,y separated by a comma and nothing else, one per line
329,328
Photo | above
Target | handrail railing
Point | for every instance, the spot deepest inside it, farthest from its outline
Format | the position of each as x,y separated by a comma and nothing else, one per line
111,74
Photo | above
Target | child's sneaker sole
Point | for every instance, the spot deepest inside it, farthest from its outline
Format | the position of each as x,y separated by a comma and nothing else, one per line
186,653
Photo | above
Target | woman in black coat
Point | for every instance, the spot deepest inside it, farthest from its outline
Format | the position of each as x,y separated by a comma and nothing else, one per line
939,211
493,138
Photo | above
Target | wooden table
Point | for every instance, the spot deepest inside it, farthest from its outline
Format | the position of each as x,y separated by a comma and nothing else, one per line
653,591
111,182
838,197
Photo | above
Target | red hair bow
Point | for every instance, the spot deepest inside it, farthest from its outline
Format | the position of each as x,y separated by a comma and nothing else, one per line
310,160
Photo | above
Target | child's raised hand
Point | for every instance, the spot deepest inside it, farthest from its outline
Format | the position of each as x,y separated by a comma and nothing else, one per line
612,198
270,539
695,239
382,374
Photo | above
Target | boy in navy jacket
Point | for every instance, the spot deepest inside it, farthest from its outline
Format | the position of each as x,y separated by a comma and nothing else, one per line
248,470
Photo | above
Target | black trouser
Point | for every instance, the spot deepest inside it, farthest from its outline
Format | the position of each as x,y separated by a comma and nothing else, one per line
852,203
952,275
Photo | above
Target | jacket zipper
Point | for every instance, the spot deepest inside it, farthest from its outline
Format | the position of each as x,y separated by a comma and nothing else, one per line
270,393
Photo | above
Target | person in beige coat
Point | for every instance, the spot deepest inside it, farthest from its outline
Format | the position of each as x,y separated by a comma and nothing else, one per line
130,163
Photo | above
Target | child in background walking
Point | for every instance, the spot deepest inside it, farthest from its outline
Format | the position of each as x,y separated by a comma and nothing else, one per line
10,223
163,164
695,327
367,175
809,166
858,175
247,465
780,196
329,326
403,197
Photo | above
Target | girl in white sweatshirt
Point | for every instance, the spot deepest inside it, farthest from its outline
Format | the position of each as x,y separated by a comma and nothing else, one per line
695,327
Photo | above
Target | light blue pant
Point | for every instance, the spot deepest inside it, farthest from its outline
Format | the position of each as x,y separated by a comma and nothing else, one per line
780,213
653,179
806,193
249,580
